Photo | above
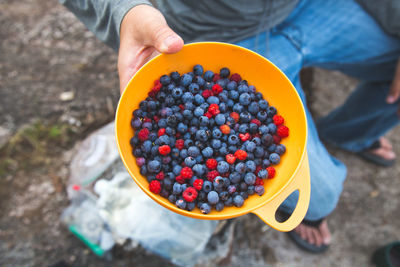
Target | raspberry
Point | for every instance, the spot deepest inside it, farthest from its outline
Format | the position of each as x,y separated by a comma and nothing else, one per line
276,138
216,77
256,135
164,150
211,175
186,173
282,131
157,85
230,158
214,109
236,77
156,118
182,107
271,172
211,164
198,184
235,116
244,137
160,176
145,119
241,154
216,88
225,129
180,179
278,119
208,115
255,121
207,93
155,187
161,131
143,134
190,194
152,94
177,135
259,181
180,144
258,168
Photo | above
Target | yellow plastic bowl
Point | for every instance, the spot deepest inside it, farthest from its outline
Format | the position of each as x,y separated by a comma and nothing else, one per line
292,172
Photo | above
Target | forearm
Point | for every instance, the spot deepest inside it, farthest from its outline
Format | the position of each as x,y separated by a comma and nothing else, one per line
103,17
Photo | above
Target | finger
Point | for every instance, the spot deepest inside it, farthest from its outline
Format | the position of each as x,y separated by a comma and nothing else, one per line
164,39
394,92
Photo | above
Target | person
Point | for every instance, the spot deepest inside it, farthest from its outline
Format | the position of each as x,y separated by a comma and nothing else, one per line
338,35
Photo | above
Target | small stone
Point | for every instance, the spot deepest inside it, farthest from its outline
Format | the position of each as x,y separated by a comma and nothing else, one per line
67,96
374,193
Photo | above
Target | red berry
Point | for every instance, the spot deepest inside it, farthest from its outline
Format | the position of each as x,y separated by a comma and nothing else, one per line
160,176
208,115
230,158
190,194
157,86
241,154
180,144
236,77
164,150
235,116
156,119
161,131
214,109
271,172
207,93
212,174
155,187
186,173
216,88
182,107
180,179
225,129
143,134
259,181
244,137
198,184
278,119
152,94
282,131
211,164
258,168
255,121
276,138
216,77
145,119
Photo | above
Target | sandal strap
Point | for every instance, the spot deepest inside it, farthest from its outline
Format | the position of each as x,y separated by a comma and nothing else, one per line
375,145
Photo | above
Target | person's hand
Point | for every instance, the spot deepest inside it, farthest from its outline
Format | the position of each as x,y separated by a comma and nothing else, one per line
394,92
144,33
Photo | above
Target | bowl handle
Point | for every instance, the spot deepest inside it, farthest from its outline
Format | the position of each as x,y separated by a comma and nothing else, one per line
300,182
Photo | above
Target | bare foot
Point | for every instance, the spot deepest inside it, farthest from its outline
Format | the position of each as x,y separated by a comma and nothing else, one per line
317,236
385,151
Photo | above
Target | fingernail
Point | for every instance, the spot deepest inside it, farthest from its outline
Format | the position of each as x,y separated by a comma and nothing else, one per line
168,42
390,99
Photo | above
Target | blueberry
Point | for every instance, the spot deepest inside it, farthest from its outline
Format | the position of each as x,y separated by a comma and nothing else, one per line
238,201
219,206
263,129
208,75
182,128
250,178
271,111
187,114
233,94
194,88
204,121
259,189
193,151
274,158
136,123
250,147
190,161
166,160
198,70
244,99
243,88
224,72
240,167
183,153
198,112
262,173
216,133
172,198
272,128
180,203
235,177
212,197
177,189
228,202
205,208
220,119
207,186
175,76
146,146
186,79
231,189
267,139
177,92
266,163
213,100
250,166
223,167
199,99
218,183
259,151
223,150
231,86
154,166
199,80
207,152
177,170
147,125
244,194
250,190
262,115
263,104
238,108
201,135
199,169
233,139
215,143
253,108
187,97
280,149
243,128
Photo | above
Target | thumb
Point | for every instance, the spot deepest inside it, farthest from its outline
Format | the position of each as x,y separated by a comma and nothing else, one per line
165,40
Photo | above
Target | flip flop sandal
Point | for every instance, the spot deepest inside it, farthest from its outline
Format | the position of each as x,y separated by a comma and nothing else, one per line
296,238
369,156
387,256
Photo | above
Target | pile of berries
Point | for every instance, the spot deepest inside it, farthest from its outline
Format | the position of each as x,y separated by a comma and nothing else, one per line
206,139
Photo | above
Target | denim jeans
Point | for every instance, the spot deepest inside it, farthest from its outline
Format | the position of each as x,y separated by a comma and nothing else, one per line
337,35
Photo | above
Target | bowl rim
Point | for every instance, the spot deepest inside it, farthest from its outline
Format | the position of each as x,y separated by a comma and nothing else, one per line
214,216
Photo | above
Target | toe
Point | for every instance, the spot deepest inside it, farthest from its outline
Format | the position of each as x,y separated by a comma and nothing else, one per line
325,233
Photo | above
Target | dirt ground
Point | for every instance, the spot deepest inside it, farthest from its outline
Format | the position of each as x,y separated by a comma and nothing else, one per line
58,83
